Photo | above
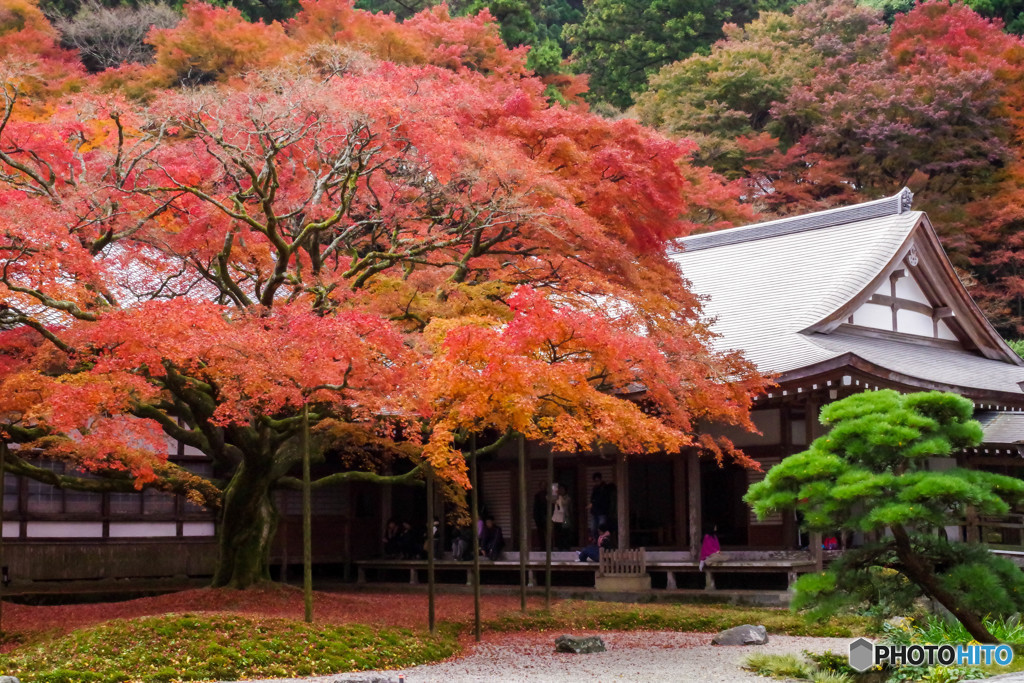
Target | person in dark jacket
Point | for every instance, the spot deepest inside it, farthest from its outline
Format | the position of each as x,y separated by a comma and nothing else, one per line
491,540
602,501
540,514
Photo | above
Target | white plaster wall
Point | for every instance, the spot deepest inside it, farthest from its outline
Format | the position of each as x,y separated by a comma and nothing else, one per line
142,529
873,315
197,529
945,332
907,288
912,322
64,530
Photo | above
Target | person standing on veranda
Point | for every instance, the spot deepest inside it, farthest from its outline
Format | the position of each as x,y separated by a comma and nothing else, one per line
602,499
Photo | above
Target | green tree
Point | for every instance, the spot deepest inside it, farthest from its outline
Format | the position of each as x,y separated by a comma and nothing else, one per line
871,474
515,18
620,43
718,97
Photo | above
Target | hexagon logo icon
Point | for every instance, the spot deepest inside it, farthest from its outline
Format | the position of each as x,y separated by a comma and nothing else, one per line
862,654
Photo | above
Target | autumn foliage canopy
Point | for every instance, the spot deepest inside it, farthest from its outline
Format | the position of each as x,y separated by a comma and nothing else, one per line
827,105
386,222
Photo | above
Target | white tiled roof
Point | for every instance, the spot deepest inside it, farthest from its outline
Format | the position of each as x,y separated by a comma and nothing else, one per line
768,283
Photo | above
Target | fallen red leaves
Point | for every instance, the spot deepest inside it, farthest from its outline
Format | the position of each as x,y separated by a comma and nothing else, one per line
391,609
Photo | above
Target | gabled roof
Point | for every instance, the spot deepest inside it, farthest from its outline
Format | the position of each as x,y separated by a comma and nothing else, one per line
784,292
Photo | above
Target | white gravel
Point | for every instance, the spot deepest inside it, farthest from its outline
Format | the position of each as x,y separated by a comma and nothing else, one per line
631,656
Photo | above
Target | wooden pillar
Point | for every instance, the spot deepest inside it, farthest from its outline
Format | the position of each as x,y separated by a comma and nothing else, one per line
693,502
680,529
622,500
816,551
972,535
385,508
524,531
347,528
549,529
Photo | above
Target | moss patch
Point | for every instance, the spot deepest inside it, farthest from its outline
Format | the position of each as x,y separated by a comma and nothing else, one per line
192,647
576,614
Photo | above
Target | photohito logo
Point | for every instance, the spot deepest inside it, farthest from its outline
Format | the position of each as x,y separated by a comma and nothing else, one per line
864,654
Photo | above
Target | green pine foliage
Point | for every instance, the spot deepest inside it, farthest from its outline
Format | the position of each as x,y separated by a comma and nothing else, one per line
872,473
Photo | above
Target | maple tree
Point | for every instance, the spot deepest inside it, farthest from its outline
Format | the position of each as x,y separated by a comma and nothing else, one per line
349,237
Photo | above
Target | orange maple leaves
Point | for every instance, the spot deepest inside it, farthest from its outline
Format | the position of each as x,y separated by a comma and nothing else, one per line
425,239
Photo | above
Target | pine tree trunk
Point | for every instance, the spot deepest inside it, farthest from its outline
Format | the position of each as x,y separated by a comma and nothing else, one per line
247,525
918,571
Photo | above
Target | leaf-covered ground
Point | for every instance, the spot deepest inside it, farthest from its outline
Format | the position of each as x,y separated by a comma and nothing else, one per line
273,600
211,634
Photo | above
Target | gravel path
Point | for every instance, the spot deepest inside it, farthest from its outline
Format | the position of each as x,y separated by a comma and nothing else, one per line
631,656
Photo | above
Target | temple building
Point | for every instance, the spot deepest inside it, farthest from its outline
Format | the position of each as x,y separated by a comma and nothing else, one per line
829,304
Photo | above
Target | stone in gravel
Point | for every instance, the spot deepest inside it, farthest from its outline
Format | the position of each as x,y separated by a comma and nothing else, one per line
581,645
742,635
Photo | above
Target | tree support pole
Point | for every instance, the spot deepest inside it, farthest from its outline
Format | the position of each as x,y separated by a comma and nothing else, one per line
430,551
548,531
474,519
524,537
307,521
3,463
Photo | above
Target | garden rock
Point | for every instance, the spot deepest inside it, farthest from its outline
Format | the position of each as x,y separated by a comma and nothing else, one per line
9,679
581,645
742,635
900,622
1016,677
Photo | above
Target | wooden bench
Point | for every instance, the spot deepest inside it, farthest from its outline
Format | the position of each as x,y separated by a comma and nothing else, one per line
622,570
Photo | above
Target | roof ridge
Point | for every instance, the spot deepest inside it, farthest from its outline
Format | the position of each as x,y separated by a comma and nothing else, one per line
895,205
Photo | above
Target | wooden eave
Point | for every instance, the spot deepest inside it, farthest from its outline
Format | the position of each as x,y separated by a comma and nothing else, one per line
851,363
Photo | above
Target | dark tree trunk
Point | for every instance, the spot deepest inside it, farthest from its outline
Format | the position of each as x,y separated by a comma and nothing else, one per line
918,571
248,520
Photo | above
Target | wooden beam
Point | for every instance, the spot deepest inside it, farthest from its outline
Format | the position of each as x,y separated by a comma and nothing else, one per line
693,502
942,312
622,500
679,502
898,303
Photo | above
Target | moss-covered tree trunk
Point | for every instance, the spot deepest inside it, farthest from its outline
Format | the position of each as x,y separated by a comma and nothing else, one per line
248,520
